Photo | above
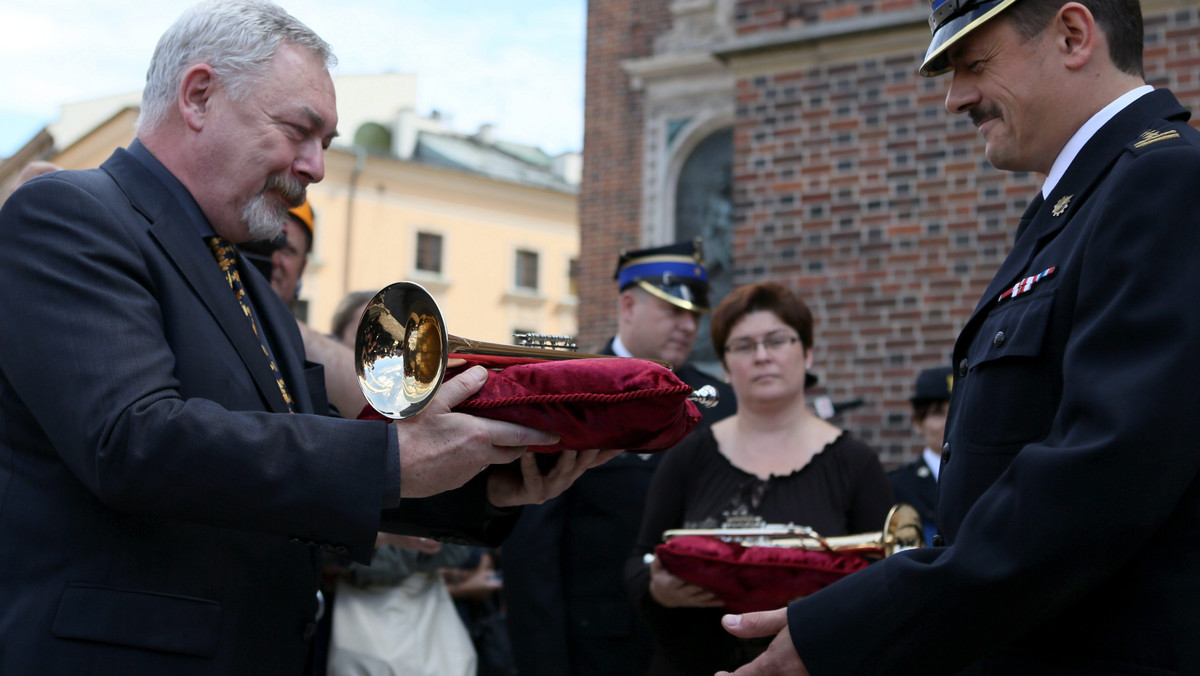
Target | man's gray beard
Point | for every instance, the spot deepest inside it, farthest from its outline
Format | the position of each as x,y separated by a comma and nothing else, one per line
264,216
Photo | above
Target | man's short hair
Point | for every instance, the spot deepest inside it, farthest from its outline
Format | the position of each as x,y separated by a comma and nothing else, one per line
1121,21
238,38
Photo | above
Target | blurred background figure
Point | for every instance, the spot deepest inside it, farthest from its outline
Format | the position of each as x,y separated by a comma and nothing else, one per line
916,482
568,611
774,459
31,170
344,325
289,259
475,587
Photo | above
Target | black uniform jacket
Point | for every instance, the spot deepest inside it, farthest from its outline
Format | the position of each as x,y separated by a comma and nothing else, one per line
568,611
1069,496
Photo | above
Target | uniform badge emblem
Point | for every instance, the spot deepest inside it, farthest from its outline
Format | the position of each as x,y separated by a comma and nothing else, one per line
1060,207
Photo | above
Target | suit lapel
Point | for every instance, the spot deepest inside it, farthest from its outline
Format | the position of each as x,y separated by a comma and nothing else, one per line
169,226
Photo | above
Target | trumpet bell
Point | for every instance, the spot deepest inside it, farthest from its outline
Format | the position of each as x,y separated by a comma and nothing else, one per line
401,349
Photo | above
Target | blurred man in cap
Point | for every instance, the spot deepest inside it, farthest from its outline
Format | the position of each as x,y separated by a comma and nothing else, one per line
289,260
282,259
568,610
916,482
1069,497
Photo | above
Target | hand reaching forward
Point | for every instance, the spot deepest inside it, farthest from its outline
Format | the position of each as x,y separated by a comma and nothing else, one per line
523,483
672,592
780,657
441,450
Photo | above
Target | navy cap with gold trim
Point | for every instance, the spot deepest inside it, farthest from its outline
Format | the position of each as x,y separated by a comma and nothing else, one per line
675,273
950,21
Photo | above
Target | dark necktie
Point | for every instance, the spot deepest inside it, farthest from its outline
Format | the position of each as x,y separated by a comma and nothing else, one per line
224,253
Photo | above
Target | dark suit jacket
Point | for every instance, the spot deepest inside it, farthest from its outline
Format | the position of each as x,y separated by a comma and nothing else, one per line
158,513
568,611
1069,492
914,484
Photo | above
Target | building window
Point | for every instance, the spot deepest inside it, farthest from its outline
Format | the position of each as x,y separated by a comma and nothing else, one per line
573,277
527,270
429,252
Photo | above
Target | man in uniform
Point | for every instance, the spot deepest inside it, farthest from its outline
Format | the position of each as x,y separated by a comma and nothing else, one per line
916,482
568,610
1069,502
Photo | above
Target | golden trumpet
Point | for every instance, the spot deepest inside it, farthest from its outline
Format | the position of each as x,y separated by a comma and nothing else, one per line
402,351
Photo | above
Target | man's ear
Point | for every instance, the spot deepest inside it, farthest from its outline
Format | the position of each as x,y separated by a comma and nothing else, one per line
625,304
1075,35
196,91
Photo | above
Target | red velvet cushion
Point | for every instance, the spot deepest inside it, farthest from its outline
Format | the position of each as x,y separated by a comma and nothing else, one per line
750,579
612,403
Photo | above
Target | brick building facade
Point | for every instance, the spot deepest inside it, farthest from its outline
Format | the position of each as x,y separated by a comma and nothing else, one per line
850,181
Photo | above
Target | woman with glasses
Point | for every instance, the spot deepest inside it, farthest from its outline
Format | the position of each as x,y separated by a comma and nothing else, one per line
773,459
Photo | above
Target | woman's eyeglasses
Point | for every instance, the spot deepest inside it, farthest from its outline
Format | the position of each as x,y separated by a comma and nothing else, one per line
774,343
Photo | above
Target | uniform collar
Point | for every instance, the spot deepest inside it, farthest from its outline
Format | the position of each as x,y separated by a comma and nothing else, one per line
1085,133
619,348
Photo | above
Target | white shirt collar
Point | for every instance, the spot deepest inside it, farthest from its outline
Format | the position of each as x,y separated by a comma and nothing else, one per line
1085,133
933,461
619,348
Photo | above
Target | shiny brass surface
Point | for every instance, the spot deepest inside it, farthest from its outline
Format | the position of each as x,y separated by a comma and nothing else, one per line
902,530
401,352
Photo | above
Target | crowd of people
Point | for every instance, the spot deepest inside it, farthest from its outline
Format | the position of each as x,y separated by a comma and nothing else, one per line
214,498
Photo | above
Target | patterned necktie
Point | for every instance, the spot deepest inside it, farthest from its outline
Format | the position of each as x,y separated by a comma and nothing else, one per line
223,251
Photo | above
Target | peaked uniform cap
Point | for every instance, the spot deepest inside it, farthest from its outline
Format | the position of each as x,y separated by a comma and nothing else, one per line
934,383
674,273
950,20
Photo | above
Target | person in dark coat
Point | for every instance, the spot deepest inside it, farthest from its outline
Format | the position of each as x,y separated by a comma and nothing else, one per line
916,482
1069,498
169,470
568,611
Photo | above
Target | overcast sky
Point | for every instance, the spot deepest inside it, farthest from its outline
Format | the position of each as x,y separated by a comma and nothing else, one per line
517,64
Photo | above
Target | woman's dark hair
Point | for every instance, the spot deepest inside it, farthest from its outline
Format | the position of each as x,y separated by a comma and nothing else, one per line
764,296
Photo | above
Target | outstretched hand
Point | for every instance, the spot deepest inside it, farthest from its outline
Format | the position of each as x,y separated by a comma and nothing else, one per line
441,450
673,592
780,657
523,483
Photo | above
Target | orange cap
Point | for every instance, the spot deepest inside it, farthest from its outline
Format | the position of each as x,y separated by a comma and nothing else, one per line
304,214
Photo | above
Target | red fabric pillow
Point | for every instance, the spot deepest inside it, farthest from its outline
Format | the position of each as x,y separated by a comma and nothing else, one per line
609,403
750,579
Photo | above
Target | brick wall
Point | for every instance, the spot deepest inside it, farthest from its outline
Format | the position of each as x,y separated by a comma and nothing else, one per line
610,192
854,186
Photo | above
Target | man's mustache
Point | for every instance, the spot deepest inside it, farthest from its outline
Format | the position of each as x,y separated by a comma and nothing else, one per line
980,115
293,191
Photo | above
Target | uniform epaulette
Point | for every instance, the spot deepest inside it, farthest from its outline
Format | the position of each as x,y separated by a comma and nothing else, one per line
1151,136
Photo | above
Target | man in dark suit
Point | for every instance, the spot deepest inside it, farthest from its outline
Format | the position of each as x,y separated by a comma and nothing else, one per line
568,610
916,482
166,476
1069,502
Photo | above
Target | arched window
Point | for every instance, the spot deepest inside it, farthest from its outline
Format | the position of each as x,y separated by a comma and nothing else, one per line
704,208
